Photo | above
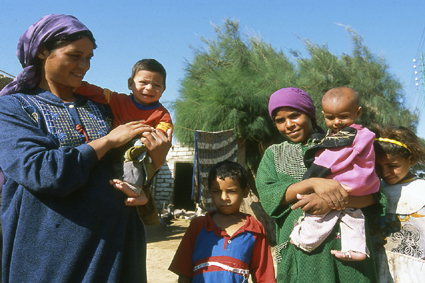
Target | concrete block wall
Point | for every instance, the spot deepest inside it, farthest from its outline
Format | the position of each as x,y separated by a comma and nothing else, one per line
163,187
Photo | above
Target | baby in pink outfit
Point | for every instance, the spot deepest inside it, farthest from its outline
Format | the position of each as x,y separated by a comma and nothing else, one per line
345,154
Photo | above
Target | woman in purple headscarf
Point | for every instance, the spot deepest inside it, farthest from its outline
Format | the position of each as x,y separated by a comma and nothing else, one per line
62,220
284,196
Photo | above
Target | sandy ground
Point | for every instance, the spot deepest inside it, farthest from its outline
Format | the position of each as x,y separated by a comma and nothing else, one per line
162,244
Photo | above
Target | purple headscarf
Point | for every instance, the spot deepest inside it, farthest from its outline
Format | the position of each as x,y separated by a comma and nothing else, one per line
292,97
49,27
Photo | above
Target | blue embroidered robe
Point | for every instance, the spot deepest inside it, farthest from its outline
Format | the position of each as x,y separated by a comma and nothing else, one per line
62,220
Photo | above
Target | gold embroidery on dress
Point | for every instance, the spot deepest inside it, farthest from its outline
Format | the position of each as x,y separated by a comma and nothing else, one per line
406,218
343,134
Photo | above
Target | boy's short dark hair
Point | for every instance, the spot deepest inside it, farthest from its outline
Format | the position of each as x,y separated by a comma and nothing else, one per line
149,65
230,169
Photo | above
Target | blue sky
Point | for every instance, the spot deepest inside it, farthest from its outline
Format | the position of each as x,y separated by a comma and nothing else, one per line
127,31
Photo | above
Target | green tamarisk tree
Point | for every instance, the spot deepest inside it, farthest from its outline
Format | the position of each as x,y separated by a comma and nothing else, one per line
381,94
228,86
228,83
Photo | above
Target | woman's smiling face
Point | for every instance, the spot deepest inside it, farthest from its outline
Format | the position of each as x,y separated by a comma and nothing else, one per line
293,124
64,68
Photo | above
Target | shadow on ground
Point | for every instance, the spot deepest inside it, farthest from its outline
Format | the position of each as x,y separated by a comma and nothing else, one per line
159,233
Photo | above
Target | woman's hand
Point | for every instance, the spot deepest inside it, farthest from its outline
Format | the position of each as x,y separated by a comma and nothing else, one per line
119,136
124,133
311,203
158,144
134,199
330,191
314,204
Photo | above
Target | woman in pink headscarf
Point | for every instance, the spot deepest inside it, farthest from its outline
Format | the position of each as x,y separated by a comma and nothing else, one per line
62,219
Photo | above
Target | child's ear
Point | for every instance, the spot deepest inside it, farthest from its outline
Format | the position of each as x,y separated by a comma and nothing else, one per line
130,83
246,191
43,53
359,111
411,161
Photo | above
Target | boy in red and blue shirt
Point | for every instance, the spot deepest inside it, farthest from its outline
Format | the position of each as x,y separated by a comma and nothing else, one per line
225,245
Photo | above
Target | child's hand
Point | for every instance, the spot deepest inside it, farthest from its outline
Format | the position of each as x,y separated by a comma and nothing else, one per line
134,199
158,144
332,192
311,203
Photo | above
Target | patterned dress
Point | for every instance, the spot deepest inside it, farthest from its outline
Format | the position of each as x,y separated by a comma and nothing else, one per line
281,166
62,220
400,237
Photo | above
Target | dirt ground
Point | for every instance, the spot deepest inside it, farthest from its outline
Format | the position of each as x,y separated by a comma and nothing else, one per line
162,244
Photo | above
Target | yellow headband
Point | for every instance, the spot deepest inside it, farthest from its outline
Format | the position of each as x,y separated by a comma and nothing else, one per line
394,142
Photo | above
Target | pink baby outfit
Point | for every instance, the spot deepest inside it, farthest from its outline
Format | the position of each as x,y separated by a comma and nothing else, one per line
348,157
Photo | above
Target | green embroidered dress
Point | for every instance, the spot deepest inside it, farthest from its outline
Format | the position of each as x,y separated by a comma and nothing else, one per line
281,166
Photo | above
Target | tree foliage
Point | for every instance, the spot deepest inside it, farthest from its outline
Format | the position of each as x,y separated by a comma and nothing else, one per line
381,94
228,84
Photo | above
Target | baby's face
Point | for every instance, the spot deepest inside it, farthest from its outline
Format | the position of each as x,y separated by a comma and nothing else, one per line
147,86
339,113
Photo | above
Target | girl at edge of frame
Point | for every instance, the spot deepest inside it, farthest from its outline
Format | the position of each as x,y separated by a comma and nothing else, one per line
284,196
399,236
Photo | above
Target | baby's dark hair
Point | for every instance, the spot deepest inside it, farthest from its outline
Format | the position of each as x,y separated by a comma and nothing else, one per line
415,147
59,42
230,169
148,65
